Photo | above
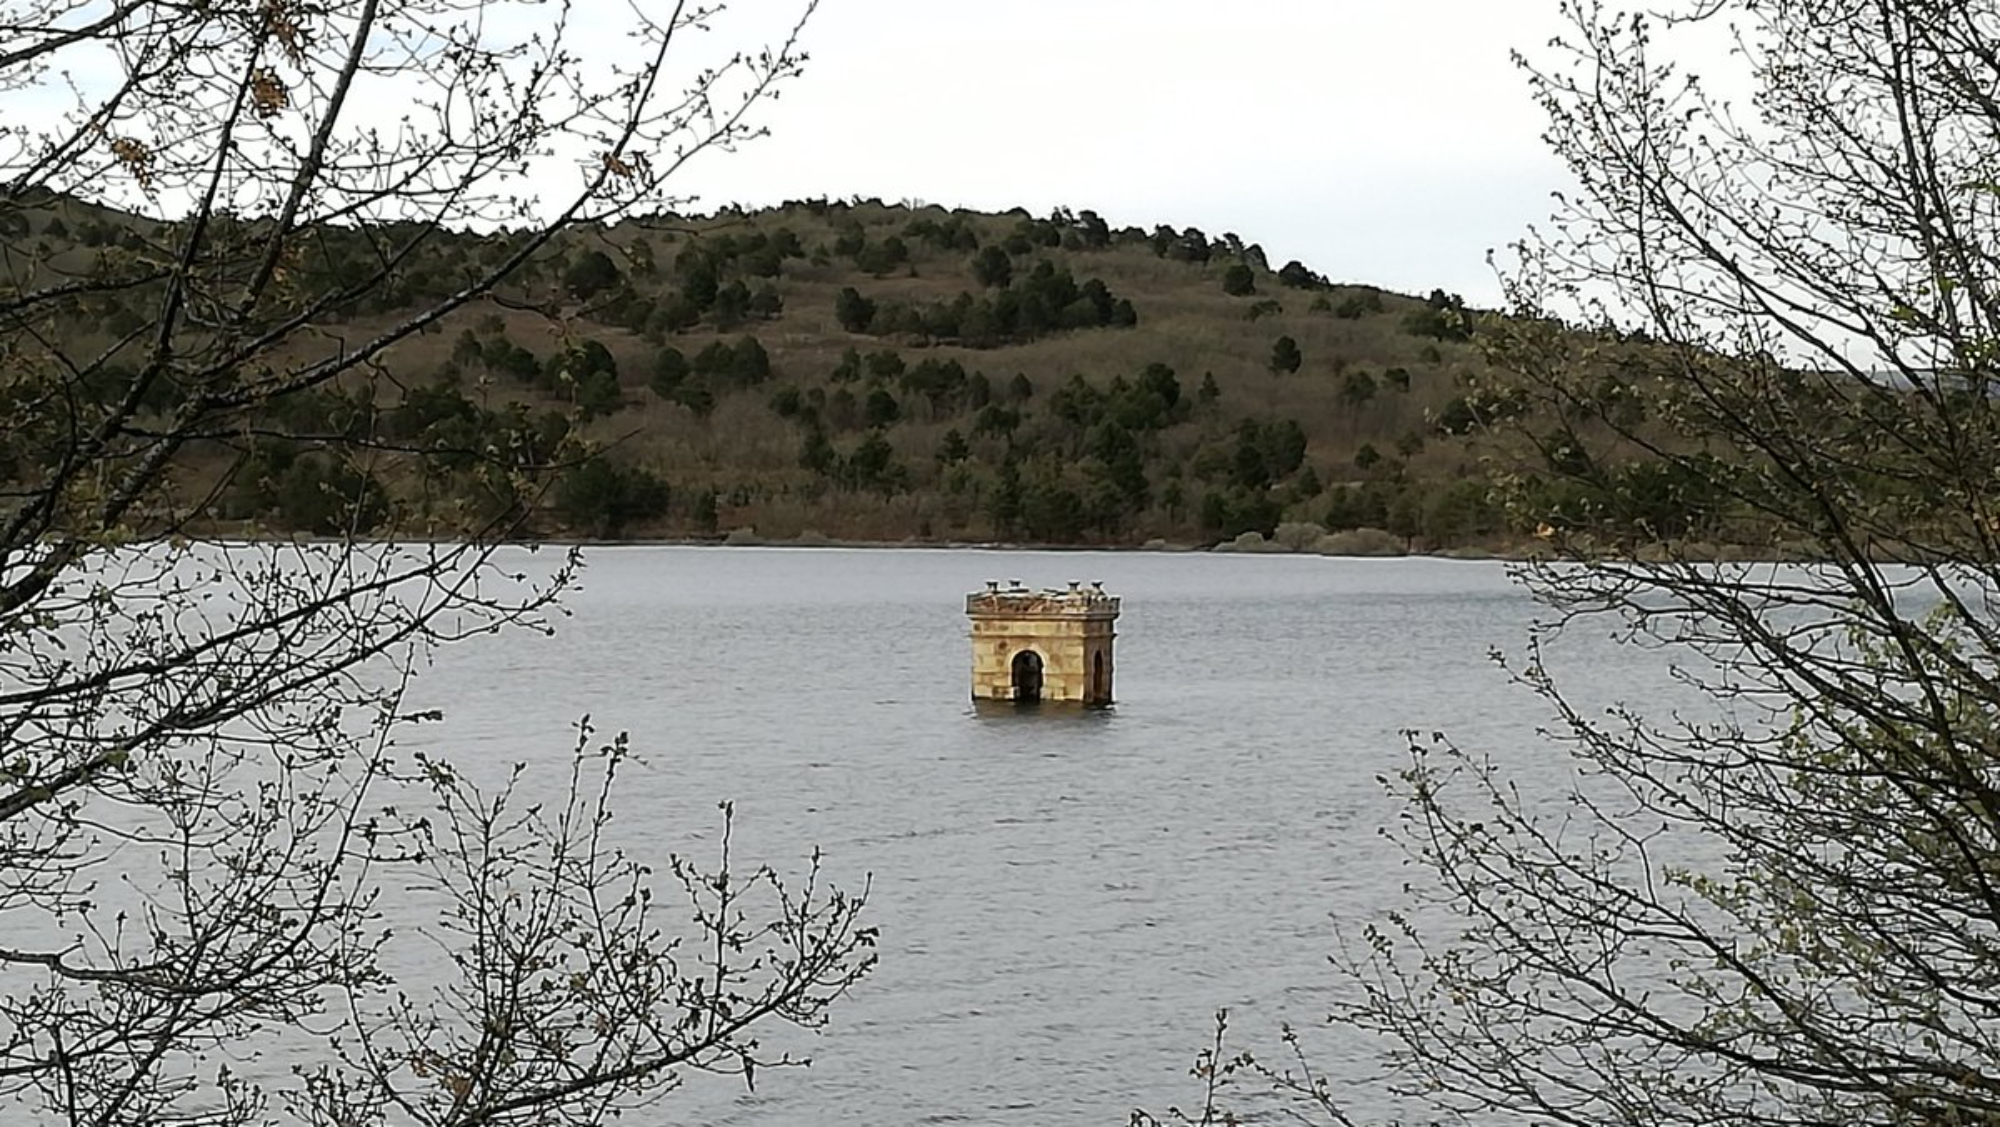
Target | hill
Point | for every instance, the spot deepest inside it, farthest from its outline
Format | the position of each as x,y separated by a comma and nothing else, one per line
851,370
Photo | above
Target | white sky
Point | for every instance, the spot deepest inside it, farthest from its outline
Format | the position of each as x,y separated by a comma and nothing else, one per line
1383,141
1391,142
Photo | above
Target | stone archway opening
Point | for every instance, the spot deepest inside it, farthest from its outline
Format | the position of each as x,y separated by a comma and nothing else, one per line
1027,676
1100,679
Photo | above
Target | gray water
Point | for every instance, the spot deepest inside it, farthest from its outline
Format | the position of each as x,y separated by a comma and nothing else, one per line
1064,897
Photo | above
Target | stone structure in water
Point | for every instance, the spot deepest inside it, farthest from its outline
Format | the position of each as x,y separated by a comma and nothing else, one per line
1051,645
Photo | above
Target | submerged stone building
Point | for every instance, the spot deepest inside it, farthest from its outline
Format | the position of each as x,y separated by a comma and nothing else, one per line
1051,645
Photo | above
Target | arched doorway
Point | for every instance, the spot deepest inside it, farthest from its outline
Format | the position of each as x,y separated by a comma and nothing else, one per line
1027,676
1100,679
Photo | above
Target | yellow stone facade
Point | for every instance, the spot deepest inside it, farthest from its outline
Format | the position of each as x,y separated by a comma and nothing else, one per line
1048,645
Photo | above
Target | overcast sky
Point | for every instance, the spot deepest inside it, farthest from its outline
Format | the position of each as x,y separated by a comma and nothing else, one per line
1392,142
1382,141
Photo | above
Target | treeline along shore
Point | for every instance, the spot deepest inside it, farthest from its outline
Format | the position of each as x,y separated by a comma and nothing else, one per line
860,372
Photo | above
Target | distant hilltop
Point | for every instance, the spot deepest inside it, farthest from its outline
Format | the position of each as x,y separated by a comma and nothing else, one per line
863,371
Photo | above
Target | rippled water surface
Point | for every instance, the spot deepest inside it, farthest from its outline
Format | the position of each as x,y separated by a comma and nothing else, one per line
1064,897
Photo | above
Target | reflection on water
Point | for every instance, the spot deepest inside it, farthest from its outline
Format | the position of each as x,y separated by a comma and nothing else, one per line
1065,895
1041,712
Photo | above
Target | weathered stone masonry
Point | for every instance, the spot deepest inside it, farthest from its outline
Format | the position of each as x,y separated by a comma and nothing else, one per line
1048,645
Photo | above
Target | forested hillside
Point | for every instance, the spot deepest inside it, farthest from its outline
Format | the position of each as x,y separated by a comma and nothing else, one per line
844,370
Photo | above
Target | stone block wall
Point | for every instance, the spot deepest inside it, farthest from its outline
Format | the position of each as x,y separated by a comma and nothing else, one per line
1070,633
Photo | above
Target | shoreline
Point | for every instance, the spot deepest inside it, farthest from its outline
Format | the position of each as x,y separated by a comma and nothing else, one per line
1469,553
1362,543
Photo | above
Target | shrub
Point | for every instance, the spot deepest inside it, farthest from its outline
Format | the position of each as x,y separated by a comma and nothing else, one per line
329,497
855,313
1458,417
880,409
1285,355
1298,535
765,303
952,448
670,368
787,403
1360,542
600,496
992,268
752,364
883,257
1443,317
597,393
1227,515
1296,275
592,273
885,364
1356,388
873,465
1251,543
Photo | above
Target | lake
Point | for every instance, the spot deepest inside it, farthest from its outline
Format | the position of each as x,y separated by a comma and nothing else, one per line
1064,897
